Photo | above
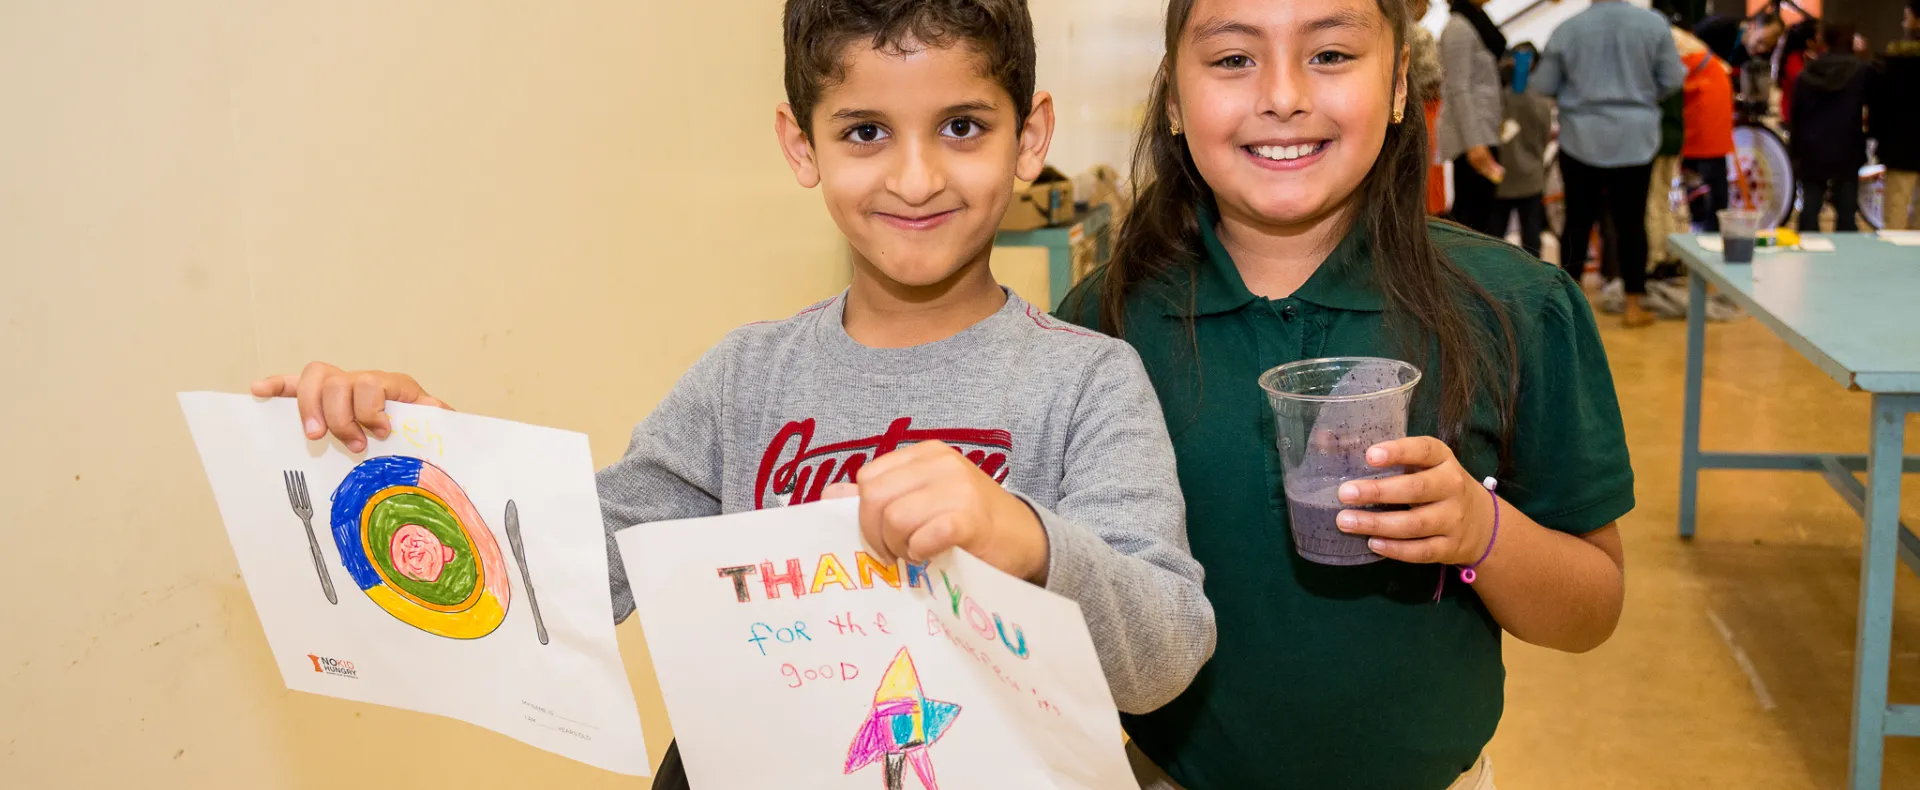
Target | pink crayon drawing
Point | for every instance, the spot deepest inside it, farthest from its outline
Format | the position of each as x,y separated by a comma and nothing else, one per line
418,554
901,727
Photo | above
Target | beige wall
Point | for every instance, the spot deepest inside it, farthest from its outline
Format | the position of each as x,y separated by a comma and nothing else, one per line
545,210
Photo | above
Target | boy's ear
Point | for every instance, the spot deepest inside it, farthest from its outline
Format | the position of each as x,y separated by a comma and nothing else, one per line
1036,135
795,146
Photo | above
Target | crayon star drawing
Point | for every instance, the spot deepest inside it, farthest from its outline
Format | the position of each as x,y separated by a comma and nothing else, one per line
901,726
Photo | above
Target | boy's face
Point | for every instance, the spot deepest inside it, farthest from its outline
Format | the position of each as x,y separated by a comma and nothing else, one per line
916,153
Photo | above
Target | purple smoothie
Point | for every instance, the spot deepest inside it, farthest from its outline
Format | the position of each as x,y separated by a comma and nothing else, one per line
1316,535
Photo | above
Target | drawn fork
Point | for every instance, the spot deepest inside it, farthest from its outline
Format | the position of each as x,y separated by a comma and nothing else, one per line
303,507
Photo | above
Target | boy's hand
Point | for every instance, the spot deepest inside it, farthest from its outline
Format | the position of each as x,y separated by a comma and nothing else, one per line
349,404
921,500
1451,520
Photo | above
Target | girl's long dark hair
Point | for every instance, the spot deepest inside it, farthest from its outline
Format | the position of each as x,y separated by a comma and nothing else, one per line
1430,300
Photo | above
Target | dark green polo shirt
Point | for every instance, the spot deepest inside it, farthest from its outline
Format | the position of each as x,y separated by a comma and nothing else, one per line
1352,677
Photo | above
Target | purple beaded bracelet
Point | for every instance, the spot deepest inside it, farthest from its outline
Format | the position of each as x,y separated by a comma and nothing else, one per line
1467,573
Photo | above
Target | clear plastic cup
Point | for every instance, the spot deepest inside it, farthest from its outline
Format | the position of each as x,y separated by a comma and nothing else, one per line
1327,413
1738,230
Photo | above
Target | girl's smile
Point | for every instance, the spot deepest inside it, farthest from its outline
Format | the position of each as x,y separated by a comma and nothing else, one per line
1287,155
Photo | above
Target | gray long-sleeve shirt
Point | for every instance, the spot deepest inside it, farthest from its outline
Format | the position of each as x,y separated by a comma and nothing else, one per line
1609,66
1064,418
1469,91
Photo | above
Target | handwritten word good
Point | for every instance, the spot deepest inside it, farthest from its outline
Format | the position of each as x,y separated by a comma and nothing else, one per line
799,677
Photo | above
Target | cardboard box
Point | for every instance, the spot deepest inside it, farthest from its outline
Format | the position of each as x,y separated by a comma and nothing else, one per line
1085,250
1047,201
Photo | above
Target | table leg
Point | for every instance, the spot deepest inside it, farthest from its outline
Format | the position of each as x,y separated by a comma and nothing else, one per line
1690,427
1873,644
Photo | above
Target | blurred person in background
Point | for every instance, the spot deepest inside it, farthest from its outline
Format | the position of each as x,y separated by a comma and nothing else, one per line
1660,216
1708,109
1525,129
1736,40
1828,133
1895,122
1423,78
1471,46
1609,67
1789,59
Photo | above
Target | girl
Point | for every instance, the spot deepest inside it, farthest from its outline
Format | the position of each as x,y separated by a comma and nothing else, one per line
1280,218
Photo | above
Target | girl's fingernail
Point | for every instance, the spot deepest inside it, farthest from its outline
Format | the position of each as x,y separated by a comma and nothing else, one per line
1376,456
1348,520
355,446
1349,492
313,426
1376,545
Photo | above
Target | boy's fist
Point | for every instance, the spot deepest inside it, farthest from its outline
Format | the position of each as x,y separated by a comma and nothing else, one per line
350,404
921,500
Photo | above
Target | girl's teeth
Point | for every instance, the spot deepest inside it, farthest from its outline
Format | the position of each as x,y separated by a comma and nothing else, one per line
1285,152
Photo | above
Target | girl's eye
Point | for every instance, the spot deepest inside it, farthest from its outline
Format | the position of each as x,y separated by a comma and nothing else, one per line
1234,62
866,133
1330,58
963,128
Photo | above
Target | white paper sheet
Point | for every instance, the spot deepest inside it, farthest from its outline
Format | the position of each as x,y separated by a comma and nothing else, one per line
789,659
1710,243
418,590
1816,244
1903,238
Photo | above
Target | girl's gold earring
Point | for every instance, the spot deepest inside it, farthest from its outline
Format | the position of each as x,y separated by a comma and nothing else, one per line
1174,125
1399,115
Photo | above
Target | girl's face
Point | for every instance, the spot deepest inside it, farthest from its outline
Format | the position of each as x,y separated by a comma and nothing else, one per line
1285,105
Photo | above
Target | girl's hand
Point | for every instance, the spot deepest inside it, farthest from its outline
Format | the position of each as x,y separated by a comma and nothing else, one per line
351,404
921,500
1451,520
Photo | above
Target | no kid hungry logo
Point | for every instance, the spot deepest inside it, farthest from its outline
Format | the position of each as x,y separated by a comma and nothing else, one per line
795,472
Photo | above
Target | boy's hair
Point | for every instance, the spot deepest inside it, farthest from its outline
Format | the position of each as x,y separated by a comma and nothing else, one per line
1837,38
818,31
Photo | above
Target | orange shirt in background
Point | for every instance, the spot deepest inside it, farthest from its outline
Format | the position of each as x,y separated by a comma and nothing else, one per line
1708,107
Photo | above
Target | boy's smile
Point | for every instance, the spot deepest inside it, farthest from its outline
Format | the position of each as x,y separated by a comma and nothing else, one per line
916,149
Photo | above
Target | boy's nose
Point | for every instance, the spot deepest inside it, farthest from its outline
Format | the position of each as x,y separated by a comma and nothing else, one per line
917,176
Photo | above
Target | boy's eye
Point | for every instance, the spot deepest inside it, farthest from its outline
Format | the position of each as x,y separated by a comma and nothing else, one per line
866,133
963,128
1234,62
1330,58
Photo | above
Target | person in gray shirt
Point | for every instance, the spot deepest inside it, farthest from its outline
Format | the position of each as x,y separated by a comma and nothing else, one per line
1608,67
1470,46
1525,129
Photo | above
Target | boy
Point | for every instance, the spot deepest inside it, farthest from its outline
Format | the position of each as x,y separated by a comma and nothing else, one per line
966,417
1525,129
1829,139
1709,131
1895,122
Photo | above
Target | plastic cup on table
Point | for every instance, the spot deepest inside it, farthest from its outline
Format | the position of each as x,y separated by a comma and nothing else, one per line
1738,231
1327,414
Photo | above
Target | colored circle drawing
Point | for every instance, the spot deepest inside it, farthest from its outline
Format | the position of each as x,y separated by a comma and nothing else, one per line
416,546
